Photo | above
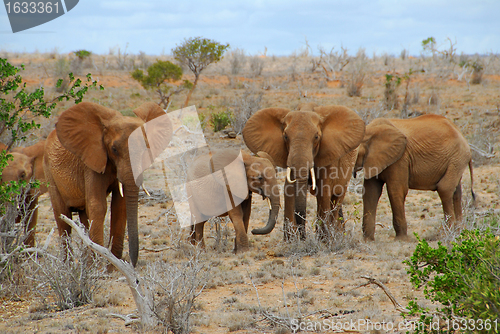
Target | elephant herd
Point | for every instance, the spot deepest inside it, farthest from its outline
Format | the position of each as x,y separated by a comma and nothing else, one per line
87,157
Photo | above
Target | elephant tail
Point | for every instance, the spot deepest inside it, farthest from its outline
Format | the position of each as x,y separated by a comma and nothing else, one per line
472,182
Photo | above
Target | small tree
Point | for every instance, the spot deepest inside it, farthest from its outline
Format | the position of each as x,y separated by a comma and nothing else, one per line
429,45
82,54
158,77
197,53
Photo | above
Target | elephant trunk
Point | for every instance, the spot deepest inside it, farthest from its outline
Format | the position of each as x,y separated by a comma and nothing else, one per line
132,198
302,171
300,205
273,216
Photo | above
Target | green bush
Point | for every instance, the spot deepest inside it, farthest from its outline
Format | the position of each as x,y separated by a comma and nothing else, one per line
463,280
82,54
219,120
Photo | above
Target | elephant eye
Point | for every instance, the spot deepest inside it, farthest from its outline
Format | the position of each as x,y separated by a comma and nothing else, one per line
114,149
316,137
23,175
261,178
285,137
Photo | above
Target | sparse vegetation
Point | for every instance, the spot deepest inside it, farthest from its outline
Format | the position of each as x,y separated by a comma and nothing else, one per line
243,107
71,278
238,60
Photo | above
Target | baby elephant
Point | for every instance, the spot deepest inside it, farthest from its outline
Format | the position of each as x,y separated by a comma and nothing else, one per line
423,153
27,163
222,184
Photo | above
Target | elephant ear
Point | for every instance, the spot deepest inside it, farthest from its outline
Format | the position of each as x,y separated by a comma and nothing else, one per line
385,145
343,131
262,154
264,132
80,131
148,111
150,139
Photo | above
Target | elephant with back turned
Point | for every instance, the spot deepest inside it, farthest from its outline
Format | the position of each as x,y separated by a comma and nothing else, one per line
86,158
209,191
317,145
424,153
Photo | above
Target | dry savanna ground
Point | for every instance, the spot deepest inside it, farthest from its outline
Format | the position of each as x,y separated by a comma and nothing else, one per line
300,279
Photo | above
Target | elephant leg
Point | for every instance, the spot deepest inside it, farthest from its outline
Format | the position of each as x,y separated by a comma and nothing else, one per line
241,238
118,223
84,218
32,201
447,199
59,209
324,215
63,228
96,210
337,215
192,234
246,207
197,238
372,191
397,192
289,221
450,192
457,202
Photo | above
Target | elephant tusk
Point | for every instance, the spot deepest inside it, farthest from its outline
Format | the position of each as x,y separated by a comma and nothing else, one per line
313,177
288,172
120,186
269,203
145,190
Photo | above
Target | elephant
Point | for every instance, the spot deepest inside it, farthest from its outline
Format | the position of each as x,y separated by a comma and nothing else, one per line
27,163
424,153
316,144
86,158
207,189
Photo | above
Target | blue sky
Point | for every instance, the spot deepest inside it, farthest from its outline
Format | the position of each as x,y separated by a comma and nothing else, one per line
155,27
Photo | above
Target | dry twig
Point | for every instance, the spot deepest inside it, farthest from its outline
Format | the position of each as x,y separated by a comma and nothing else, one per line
375,281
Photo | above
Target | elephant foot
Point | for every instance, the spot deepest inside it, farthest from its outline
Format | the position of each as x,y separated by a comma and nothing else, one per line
241,249
402,237
369,238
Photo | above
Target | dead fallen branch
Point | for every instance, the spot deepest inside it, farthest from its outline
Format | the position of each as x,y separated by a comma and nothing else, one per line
143,296
481,152
375,281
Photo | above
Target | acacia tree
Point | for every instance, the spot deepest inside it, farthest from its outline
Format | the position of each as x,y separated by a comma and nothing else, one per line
158,77
197,53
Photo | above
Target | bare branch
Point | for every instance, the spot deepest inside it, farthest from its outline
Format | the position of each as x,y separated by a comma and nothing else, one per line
143,296
375,281
481,152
